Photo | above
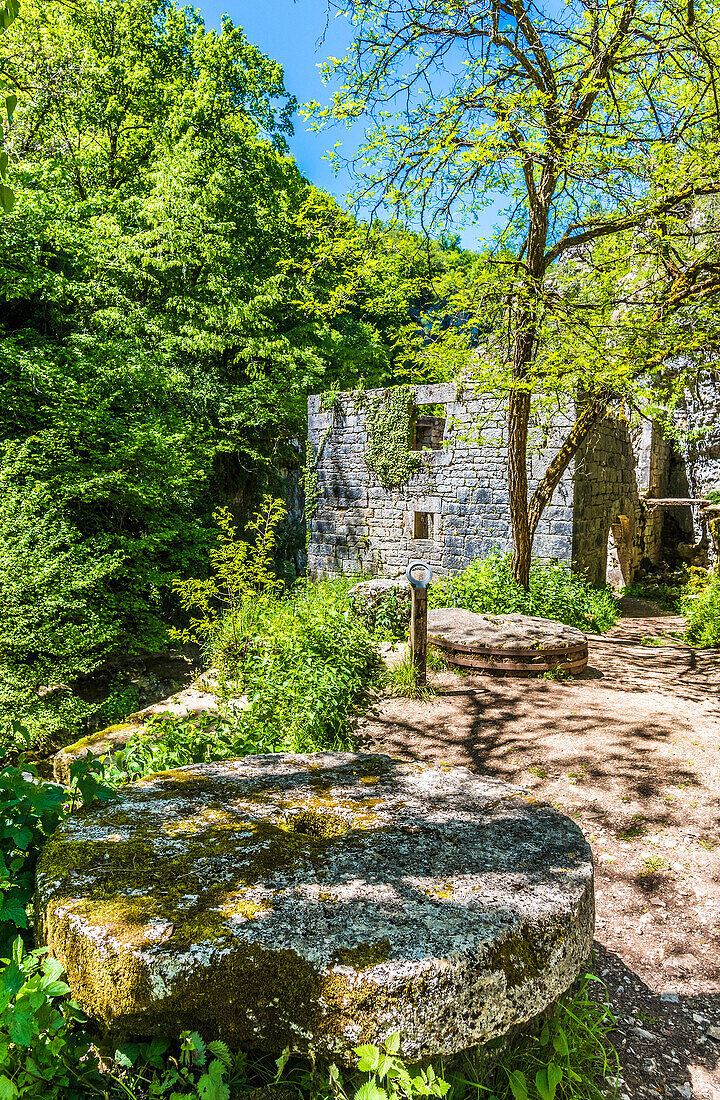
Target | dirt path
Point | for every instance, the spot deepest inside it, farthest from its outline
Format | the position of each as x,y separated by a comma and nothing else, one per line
631,750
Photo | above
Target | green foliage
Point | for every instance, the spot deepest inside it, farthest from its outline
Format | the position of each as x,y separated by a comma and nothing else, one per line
401,680
242,578
488,586
293,681
562,1056
205,1071
389,1078
389,426
29,813
557,111
9,10
702,611
386,613
42,1053
173,289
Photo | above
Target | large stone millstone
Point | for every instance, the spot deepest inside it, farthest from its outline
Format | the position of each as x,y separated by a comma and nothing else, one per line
318,901
511,645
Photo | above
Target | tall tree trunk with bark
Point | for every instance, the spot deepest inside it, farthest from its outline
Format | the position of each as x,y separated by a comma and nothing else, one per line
523,353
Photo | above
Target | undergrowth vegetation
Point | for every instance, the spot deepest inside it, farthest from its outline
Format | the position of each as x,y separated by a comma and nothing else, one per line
487,586
291,668
291,684
701,607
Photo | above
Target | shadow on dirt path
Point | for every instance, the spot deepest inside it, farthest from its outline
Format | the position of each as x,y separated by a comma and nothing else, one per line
631,751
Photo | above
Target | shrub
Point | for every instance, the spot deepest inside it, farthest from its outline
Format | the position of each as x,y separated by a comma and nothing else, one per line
384,607
703,614
304,667
487,586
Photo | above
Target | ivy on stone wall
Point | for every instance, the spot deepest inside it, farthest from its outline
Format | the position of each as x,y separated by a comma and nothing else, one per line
389,426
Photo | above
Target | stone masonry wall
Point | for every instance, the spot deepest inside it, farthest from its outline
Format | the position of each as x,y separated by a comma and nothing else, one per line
612,468
359,526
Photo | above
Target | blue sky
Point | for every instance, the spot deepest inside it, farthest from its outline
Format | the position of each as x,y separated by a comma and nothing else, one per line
290,31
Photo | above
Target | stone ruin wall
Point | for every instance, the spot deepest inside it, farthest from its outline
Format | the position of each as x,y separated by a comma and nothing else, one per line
614,531
359,526
598,518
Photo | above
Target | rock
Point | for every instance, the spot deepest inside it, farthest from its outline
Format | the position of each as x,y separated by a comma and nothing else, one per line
383,599
506,643
669,998
680,964
714,1033
318,902
184,704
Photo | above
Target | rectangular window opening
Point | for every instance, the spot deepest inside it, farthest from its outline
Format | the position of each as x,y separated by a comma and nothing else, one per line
428,427
423,525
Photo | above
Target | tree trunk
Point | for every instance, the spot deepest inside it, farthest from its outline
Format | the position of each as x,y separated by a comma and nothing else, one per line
586,421
518,420
525,324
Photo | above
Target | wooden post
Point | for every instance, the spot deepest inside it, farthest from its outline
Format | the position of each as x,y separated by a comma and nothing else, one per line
418,620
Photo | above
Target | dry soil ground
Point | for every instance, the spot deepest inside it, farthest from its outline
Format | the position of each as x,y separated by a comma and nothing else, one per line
631,750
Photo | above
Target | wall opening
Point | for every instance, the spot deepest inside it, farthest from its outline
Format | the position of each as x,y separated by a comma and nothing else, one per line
423,525
619,553
428,427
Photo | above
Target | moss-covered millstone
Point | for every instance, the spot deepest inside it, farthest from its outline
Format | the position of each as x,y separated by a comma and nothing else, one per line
318,901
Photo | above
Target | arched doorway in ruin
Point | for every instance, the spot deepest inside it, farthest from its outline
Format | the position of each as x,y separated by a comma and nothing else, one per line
619,552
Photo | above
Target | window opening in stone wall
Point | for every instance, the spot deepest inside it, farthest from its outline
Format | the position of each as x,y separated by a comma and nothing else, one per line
423,525
428,427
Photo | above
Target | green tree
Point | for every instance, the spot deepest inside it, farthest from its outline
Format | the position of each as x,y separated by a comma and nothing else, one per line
173,289
597,121
8,14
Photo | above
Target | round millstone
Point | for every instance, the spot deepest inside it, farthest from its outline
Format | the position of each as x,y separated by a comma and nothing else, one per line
517,645
319,901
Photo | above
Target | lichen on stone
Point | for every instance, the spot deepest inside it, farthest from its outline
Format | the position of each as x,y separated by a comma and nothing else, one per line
272,901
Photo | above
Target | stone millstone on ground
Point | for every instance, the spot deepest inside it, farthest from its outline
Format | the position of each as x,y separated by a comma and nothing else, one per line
318,901
193,702
520,644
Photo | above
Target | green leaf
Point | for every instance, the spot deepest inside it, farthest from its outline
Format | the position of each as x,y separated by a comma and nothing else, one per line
14,912
560,1042
370,1091
392,1043
221,1052
8,1088
547,1080
10,105
368,1057
7,198
518,1084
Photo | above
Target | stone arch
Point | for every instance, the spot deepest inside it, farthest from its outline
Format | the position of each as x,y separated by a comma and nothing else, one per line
619,552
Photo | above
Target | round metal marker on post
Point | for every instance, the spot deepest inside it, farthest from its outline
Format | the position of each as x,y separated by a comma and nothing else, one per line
418,619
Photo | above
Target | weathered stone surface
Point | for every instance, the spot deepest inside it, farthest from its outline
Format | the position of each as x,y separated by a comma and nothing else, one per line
500,631
462,492
319,901
191,701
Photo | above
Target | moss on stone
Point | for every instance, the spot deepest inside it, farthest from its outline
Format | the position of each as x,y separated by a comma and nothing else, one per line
520,958
363,955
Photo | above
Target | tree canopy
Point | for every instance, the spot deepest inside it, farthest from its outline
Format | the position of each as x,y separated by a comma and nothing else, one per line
173,289
601,124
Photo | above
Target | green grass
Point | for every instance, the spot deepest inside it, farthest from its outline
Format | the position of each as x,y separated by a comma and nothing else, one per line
702,612
562,1055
